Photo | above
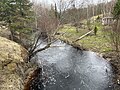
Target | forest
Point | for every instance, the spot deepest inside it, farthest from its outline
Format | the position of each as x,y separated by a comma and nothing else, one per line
60,44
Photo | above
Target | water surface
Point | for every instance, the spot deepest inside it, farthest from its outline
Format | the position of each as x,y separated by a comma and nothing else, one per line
67,68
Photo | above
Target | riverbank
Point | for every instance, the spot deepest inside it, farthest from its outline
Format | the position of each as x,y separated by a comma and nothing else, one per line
13,67
97,43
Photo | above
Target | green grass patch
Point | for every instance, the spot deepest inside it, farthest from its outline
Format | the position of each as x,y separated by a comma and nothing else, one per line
71,33
96,43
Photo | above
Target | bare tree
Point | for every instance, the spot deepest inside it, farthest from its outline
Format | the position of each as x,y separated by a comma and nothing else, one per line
46,24
115,37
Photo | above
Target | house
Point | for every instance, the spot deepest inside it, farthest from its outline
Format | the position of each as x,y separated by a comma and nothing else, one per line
107,21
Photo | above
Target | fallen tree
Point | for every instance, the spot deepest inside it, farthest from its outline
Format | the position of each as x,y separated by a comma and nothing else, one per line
83,36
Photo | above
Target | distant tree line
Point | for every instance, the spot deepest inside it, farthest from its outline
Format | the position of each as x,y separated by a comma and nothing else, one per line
76,13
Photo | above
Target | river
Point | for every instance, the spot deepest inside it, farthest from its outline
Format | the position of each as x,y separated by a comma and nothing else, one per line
68,68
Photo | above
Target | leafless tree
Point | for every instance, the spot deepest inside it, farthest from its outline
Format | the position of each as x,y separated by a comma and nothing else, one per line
46,24
115,37
48,18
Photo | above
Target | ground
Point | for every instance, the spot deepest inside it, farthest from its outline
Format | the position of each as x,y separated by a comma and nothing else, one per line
99,43
96,43
12,56
4,32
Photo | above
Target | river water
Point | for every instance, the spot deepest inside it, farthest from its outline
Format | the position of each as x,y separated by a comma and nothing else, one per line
67,68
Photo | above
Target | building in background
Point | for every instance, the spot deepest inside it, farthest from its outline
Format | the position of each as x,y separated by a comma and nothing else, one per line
107,21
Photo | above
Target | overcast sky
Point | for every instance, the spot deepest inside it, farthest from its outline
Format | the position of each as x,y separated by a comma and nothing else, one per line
52,1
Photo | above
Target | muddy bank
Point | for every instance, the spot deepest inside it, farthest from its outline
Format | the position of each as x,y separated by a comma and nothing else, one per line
31,82
115,63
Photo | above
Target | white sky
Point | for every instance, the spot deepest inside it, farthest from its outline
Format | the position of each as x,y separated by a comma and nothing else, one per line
52,1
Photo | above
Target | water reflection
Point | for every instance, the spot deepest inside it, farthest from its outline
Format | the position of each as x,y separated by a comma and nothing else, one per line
70,69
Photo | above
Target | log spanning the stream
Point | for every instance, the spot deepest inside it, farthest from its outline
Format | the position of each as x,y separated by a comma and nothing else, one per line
83,36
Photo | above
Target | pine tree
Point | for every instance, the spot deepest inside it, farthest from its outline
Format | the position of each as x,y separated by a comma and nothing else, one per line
116,11
16,14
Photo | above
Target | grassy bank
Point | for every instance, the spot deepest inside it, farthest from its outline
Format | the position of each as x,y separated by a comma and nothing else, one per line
97,43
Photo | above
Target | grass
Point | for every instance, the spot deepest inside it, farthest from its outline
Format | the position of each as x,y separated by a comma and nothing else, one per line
70,32
96,43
